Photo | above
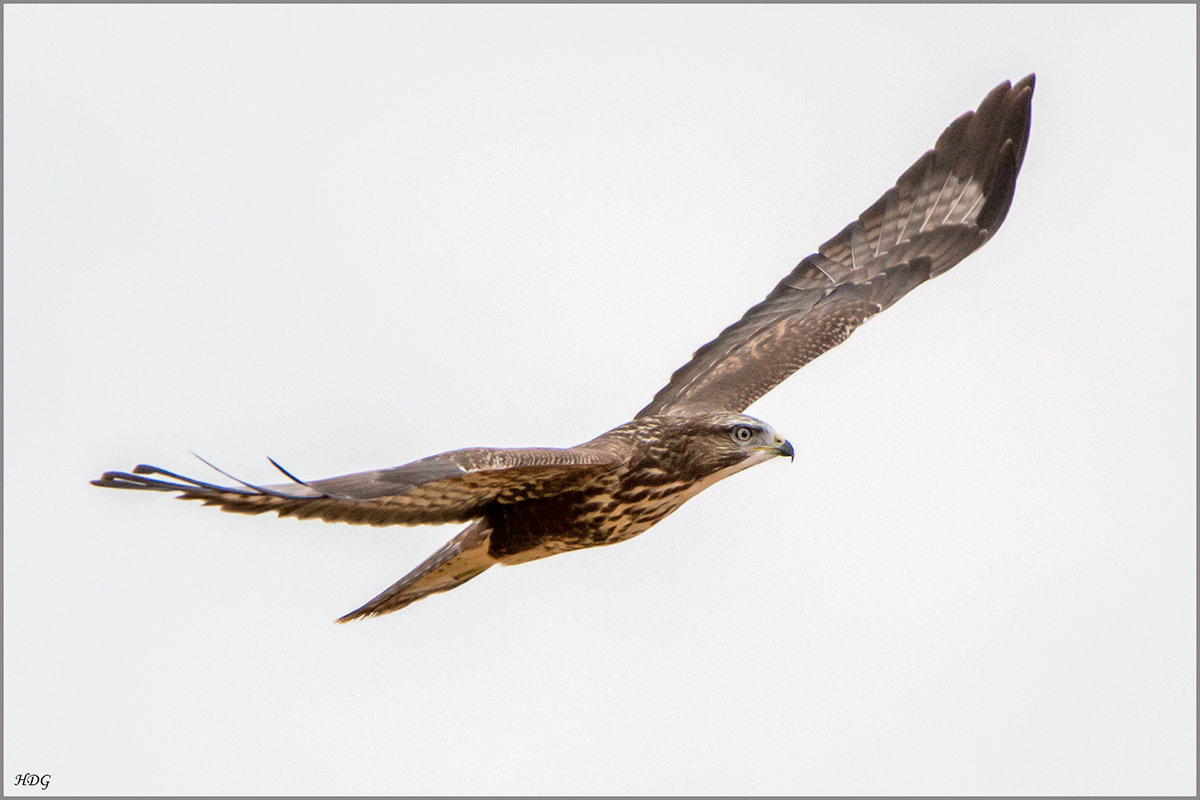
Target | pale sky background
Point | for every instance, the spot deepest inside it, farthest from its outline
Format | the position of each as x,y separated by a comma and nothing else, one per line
348,238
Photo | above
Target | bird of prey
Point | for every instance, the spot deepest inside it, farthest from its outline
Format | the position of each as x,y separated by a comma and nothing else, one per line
529,503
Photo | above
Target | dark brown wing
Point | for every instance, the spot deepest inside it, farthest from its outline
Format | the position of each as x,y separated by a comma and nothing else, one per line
944,207
451,487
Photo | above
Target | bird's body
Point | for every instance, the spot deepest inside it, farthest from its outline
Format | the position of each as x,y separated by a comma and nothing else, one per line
526,504
647,482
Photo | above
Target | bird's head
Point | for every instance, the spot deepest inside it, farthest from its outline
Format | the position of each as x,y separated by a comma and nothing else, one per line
714,443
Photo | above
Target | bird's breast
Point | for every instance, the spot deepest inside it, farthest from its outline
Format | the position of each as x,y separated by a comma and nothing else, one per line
612,513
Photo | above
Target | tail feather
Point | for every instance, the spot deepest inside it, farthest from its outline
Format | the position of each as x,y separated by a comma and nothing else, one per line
459,560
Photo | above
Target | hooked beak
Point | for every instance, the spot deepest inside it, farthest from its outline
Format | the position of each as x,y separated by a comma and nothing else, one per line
784,448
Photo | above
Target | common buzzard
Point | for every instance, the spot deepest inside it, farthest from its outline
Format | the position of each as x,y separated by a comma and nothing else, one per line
526,504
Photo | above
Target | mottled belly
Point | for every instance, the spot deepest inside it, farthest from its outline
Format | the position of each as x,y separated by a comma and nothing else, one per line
538,528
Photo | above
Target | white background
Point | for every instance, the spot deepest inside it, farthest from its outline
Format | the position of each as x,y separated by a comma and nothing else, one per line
351,237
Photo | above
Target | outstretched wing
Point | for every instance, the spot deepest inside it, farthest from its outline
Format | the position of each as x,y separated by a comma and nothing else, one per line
944,207
456,562
451,487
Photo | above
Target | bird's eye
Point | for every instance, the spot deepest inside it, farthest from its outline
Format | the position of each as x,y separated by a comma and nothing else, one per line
743,434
